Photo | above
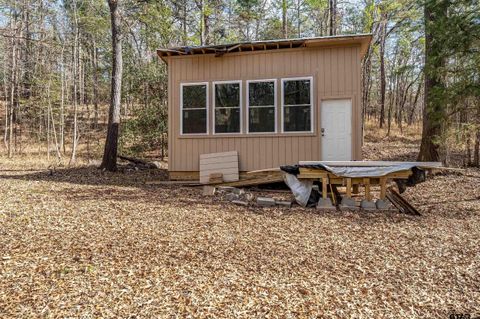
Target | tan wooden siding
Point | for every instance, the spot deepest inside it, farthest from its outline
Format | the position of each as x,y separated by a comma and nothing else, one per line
335,72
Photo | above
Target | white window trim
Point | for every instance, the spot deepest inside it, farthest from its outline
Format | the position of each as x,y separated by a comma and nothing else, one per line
214,83
197,108
311,104
274,105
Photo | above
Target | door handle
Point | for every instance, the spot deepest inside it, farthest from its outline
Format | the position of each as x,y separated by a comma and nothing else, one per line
323,131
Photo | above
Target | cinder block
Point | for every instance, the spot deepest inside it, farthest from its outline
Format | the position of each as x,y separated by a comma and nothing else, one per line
240,202
367,205
231,197
325,204
284,203
348,204
265,201
237,191
226,188
348,201
208,190
384,204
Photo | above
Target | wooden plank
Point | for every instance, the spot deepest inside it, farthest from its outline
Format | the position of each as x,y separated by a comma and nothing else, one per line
371,163
218,165
224,171
315,173
349,187
401,203
273,169
264,179
184,176
324,187
221,159
225,163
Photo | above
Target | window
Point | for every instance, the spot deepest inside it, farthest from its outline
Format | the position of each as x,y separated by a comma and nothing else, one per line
194,99
297,105
227,104
261,106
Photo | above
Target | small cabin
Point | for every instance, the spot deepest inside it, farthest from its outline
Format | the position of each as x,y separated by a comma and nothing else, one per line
275,102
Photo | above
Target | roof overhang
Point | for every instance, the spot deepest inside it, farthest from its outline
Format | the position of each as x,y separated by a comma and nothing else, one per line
219,50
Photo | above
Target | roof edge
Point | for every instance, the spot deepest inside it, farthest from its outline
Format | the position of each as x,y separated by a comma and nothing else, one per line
222,49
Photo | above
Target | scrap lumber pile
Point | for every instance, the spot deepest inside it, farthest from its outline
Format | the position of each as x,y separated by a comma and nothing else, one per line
400,203
351,175
222,170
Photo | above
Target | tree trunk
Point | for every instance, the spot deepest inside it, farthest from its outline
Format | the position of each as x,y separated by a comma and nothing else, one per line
476,148
109,161
332,13
184,23
383,82
62,103
13,81
73,156
284,19
95,83
414,104
434,109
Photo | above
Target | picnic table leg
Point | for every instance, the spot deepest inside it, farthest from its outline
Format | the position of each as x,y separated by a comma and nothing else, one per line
324,187
349,187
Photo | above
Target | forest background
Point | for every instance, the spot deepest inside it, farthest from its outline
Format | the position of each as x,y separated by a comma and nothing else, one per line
422,68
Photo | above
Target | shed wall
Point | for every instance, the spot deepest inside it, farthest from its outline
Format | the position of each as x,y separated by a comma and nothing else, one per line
335,72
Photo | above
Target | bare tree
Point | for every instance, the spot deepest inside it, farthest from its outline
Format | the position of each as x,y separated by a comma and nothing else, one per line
109,161
284,19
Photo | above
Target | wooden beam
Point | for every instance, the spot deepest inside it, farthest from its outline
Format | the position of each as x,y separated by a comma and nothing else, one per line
324,187
234,47
315,173
349,187
371,163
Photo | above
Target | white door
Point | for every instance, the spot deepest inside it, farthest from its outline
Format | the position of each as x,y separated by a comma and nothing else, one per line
336,130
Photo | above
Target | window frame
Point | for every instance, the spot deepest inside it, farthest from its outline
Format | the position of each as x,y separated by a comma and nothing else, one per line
275,102
312,122
214,84
207,107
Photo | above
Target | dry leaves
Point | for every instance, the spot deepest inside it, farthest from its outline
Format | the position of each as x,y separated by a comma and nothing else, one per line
85,244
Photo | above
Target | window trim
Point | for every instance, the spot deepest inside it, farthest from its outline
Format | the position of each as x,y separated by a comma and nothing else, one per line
274,105
283,80
214,83
182,109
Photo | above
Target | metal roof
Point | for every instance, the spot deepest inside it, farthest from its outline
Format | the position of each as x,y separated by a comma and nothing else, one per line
219,50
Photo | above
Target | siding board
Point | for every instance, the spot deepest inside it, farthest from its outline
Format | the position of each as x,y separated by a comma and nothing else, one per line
336,72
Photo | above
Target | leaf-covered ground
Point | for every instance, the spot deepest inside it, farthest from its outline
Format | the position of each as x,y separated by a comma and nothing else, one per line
78,243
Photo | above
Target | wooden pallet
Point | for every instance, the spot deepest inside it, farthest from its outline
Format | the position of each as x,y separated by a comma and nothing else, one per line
401,203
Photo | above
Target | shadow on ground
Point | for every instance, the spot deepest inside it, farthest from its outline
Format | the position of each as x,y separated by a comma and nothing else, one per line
89,175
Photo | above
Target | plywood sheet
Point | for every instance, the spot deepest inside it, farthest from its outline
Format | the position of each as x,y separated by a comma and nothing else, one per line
225,163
